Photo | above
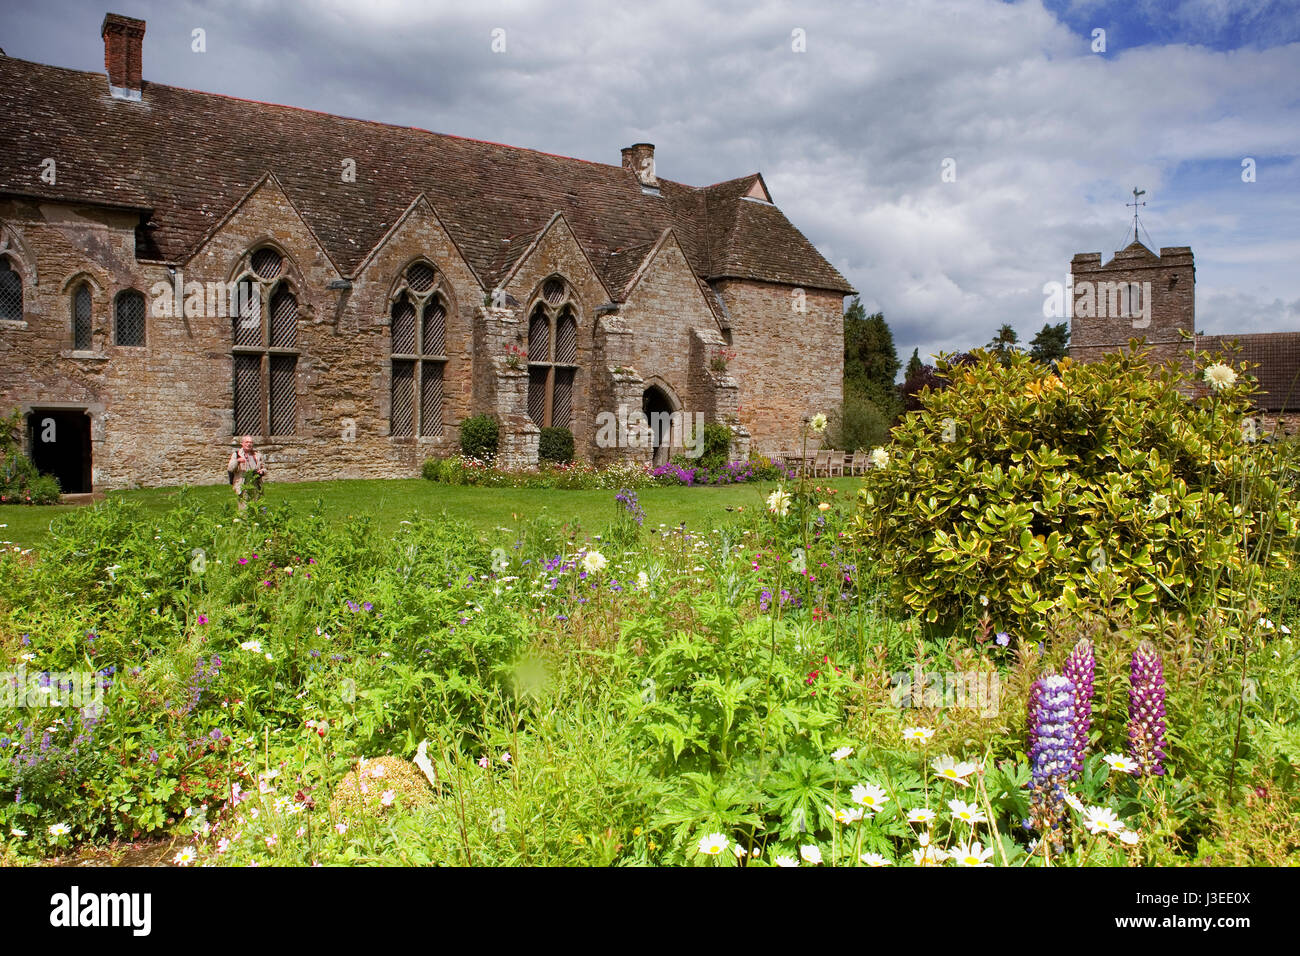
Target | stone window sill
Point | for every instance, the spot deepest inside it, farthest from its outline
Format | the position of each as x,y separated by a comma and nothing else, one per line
89,356
13,323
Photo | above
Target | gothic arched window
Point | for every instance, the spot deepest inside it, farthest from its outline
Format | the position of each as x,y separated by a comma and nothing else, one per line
552,356
264,329
418,353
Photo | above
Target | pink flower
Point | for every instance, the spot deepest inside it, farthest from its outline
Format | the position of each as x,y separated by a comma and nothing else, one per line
483,761
272,840
203,619
342,828
388,797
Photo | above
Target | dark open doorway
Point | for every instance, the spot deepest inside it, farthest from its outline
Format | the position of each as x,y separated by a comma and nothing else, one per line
658,409
59,439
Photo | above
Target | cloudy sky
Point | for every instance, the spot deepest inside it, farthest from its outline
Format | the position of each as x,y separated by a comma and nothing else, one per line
1047,135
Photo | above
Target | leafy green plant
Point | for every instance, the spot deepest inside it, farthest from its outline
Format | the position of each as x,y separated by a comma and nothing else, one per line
1013,490
480,436
555,444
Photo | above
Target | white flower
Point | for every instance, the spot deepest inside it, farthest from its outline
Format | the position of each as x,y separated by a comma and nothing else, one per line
875,859
879,457
1102,820
1128,837
60,829
841,753
254,646
928,856
948,769
810,854
921,734
1073,802
818,423
967,812
852,815
1219,376
185,857
642,580
739,850
778,502
786,861
869,796
14,831
713,844
920,815
223,845
971,854
1119,763
594,562
28,657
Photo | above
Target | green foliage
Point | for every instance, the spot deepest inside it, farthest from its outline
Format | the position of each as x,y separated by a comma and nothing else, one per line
716,447
858,423
1051,344
870,359
1004,343
1102,487
480,436
555,444
20,482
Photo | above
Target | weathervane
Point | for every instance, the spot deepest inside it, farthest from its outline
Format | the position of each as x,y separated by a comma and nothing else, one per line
1136,193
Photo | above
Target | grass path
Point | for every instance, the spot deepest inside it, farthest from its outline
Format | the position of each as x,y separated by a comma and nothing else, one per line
389,501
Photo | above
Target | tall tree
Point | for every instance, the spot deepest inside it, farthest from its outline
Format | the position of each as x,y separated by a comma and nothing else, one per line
870,360
1051,344
914,364
1004,343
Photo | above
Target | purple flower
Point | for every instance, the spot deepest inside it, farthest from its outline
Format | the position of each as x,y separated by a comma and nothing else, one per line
203,619
368,606
1146,710
1003,639
1081,668
1051,752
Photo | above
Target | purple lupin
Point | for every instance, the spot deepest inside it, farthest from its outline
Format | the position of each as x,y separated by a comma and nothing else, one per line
1081,668
1051,752
1146,711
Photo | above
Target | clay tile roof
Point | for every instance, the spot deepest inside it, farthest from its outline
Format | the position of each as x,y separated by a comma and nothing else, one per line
190,157
1277,355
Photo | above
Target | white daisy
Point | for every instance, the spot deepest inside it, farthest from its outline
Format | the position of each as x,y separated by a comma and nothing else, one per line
185,857
713,844
920,815
1102,820
841,753
967,812
869,796
971,854
1120,763
947,768
920,734
875,859
810,854
786,861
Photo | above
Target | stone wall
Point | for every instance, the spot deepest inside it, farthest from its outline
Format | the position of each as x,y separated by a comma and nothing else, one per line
789,363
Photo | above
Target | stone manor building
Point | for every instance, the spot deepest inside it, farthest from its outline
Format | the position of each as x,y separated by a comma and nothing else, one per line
178,268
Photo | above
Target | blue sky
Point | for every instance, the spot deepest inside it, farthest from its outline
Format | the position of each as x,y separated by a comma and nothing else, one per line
1048,137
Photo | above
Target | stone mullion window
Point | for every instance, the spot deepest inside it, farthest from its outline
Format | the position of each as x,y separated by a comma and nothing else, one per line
417,355
128,318
264,350
552,358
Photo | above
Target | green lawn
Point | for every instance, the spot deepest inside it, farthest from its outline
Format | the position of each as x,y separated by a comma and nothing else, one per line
389,501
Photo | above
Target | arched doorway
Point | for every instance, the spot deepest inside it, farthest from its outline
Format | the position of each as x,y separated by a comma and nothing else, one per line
658,408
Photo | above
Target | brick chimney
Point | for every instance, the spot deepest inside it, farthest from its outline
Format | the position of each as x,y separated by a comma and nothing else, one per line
123,39
640,158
